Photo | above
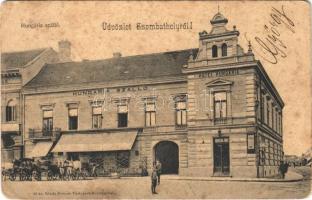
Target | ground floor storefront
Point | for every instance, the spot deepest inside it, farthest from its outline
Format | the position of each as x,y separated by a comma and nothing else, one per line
229,152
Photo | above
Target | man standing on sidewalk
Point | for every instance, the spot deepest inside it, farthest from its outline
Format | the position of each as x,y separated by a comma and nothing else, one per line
158,170
154,180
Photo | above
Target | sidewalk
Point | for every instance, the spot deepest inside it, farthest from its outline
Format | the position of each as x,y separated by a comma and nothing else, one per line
290,177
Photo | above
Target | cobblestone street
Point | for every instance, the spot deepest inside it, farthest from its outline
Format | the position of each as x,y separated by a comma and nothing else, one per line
140,188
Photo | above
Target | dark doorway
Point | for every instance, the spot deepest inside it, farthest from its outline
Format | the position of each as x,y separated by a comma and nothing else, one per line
168,154
221,158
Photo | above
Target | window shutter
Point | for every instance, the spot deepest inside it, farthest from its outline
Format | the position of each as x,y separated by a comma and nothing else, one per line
153,118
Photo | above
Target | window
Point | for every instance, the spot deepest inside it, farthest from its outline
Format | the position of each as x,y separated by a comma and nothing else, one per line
150,114
220,105
73,156
224,49
279,123
267,148
214,51
276,120
73,118
250,143
262,107
123,159
122,115
47,126
97,117
268,114
272,117
10,111
181,113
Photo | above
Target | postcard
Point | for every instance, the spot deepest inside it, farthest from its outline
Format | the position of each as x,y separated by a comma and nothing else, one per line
156,99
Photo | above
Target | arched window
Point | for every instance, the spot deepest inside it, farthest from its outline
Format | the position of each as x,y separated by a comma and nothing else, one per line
224,49
10,114
214,51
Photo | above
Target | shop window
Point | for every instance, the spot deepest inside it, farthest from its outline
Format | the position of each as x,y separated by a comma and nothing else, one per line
181,113
97,117
123,159
122,115
47,125
150,114
224,50
73,118
214,51
72,156
220,105
10,111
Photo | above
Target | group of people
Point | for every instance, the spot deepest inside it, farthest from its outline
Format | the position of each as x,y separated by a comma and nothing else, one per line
67,167
155,176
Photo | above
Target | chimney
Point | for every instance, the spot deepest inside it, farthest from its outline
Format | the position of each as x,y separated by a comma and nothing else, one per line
116,55
64,50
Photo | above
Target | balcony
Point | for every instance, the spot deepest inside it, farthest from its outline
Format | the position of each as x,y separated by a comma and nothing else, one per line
10,127
44,134
220,121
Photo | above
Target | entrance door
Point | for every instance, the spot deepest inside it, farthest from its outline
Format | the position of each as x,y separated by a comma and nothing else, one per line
168,154
221,156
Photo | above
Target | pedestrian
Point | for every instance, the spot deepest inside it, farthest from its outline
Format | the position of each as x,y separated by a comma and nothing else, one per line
158,170
283,168
94,174
154,180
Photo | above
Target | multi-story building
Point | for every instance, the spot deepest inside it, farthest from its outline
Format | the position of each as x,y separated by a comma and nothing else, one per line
207,111
17,69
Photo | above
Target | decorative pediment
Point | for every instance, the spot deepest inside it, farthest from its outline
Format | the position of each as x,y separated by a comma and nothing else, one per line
219,82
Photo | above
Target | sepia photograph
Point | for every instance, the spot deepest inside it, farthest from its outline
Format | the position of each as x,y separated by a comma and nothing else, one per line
156,99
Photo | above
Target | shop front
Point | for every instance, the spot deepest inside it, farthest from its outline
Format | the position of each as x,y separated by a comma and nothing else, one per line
108,152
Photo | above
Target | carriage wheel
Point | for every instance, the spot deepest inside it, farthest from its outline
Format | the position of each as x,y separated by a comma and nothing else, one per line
83,175
38,176
22,178
49,176
73,176
12,177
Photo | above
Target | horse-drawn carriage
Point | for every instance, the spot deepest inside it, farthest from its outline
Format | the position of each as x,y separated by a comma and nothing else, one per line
21,168
26,169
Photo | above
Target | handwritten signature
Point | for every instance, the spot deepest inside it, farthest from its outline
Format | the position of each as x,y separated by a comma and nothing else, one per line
271,44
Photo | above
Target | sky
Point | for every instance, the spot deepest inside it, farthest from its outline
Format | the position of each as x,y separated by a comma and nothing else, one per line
81,24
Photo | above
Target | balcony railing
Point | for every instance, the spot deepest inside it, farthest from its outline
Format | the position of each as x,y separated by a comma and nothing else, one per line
39,134
225,120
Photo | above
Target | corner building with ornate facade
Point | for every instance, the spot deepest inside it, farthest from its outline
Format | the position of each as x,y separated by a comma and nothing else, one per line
208,111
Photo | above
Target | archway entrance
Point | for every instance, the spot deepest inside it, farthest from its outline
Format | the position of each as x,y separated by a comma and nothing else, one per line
168,154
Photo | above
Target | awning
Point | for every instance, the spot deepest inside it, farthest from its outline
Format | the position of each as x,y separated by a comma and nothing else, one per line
91,142
40,149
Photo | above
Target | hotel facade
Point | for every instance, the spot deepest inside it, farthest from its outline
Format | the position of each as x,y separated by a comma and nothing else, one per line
207,111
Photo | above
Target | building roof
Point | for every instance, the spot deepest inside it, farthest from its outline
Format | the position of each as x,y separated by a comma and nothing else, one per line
15,60
121,68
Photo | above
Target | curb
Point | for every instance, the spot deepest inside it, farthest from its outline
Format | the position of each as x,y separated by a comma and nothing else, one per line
294,177
238,180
